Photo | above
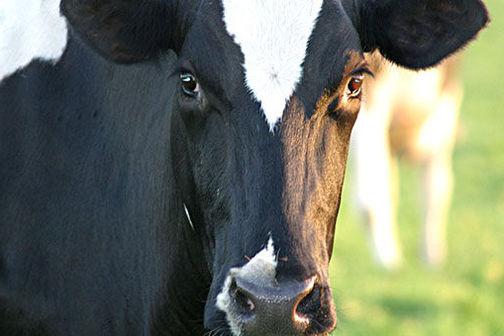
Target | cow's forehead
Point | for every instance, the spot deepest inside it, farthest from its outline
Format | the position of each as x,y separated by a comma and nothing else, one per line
273,37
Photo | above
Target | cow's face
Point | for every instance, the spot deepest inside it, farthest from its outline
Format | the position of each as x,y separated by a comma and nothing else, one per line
268,105
268,94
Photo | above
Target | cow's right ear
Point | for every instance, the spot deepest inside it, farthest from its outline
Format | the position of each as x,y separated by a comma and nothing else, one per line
128,31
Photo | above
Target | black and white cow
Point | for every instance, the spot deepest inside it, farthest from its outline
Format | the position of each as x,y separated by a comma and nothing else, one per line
195,193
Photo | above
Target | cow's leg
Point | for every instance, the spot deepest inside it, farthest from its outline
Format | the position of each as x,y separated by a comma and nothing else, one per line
374,175
437,139
438,183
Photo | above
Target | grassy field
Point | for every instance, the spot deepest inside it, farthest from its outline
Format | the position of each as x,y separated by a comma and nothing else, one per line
466,297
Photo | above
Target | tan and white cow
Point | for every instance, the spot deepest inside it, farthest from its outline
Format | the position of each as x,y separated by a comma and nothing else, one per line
412,115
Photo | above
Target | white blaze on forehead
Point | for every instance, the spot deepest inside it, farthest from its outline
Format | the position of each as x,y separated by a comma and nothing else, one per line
260,270
30,29
273,36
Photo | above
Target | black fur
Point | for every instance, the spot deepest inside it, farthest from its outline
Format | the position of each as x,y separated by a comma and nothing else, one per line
129,31
93,239
417,33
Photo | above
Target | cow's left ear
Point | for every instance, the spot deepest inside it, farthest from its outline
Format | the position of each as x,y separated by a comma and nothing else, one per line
129,31
417,33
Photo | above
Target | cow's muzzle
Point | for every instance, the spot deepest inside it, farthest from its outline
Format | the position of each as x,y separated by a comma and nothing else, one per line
289,308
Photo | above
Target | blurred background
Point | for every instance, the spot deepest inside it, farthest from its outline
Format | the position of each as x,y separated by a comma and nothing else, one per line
466,295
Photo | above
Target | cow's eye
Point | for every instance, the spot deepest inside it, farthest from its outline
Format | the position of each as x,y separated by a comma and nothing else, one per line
189,84
355,86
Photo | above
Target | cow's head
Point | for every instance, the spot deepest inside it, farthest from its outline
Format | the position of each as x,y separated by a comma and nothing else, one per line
269,92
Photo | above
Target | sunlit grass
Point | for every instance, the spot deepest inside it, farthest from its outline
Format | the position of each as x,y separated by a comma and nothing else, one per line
466,297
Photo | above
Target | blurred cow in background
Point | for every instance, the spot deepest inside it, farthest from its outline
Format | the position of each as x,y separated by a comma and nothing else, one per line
412,115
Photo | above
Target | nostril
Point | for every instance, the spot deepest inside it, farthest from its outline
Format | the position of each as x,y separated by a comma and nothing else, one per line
316,310
243,300
310,305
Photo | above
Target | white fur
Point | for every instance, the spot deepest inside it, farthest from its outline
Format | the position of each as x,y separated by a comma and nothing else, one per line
188,217
261,270
29,30
273,36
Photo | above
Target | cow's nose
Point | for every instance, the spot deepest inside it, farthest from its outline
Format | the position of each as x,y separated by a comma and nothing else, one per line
290,308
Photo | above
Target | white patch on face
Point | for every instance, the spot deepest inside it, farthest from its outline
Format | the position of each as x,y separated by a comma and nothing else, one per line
260,270
188,217
29,30
273,36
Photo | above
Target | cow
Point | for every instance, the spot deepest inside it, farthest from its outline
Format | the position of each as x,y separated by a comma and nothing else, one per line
174,167
416,121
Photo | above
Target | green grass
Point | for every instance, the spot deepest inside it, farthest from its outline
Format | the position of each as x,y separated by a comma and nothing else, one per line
466,296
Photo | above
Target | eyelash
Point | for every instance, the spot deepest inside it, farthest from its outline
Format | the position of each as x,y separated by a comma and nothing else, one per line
358,75
354,86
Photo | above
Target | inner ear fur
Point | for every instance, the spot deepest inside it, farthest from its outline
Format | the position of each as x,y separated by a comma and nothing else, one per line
125,31
419,33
